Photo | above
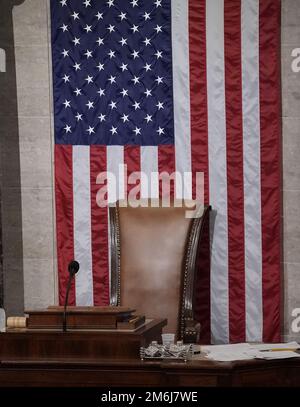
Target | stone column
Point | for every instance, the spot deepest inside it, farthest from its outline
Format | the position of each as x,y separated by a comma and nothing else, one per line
12,282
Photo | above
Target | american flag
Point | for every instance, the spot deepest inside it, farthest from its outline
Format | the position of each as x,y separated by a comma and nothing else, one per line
173,85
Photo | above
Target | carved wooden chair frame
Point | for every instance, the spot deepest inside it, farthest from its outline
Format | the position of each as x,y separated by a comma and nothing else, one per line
188,327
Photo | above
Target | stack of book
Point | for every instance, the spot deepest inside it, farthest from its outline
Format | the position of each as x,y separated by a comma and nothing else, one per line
122,318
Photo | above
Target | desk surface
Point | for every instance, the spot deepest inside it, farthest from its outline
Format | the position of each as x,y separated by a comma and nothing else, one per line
200,373
39,358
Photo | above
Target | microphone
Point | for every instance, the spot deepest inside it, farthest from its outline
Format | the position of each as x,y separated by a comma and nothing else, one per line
73,268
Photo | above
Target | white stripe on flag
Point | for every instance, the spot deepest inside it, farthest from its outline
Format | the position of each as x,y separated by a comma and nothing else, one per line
115,168
217,169
181,94
252,194
82,224
149,169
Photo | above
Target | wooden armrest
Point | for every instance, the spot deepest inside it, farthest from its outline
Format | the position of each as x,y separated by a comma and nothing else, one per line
191,332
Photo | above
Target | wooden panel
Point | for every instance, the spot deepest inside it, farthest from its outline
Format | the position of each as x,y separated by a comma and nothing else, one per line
38,344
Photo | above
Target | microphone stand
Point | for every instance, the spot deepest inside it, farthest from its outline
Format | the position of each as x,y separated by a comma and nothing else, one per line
66,302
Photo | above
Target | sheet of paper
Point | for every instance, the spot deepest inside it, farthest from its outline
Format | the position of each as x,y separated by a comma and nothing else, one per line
248,351
277,355
269,346
223,356
226,348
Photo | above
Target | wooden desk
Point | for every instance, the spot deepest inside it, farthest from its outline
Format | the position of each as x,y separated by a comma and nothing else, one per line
91,358
36,344
100,373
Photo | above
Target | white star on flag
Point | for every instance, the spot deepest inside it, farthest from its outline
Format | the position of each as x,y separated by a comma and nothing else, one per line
158,54
136,105
160,105
122,16
113,130
90,105
89,79
64,28
76,41
65,53
87,3
75,16
67,129
124,67
159,80
101,117
125,118
78,117
160,131
123,41
148,118
90,130
77,67
88,28
136,80
111,28
124,92
113,105
100,67
146,16
110,3
99,16
135,28
135,54
67,103
111,54
147,67
137,131
100,41
88,54
101,92
77,91
112,79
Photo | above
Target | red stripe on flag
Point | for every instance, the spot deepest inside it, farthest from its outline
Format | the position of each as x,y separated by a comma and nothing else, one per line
199,140
166,163
132,158
64,218
198,91
99,229
270,128
235,178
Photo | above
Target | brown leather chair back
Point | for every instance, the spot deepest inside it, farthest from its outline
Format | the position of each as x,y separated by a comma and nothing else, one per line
154,250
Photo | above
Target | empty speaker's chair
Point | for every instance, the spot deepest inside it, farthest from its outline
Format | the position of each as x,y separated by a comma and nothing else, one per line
153,263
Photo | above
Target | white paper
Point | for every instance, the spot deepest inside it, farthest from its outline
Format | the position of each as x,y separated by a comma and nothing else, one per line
282,354
269,346
223,356
226,348
247,351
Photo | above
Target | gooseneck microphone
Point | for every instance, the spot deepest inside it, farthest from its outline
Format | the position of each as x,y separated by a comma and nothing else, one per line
73,269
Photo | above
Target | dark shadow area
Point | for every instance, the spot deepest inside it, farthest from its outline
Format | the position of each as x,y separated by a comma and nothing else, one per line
11,273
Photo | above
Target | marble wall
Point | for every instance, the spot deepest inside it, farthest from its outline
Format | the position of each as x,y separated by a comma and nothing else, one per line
33,114
32,254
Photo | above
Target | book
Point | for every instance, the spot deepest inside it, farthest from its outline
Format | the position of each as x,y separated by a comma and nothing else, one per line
16,322
78,317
